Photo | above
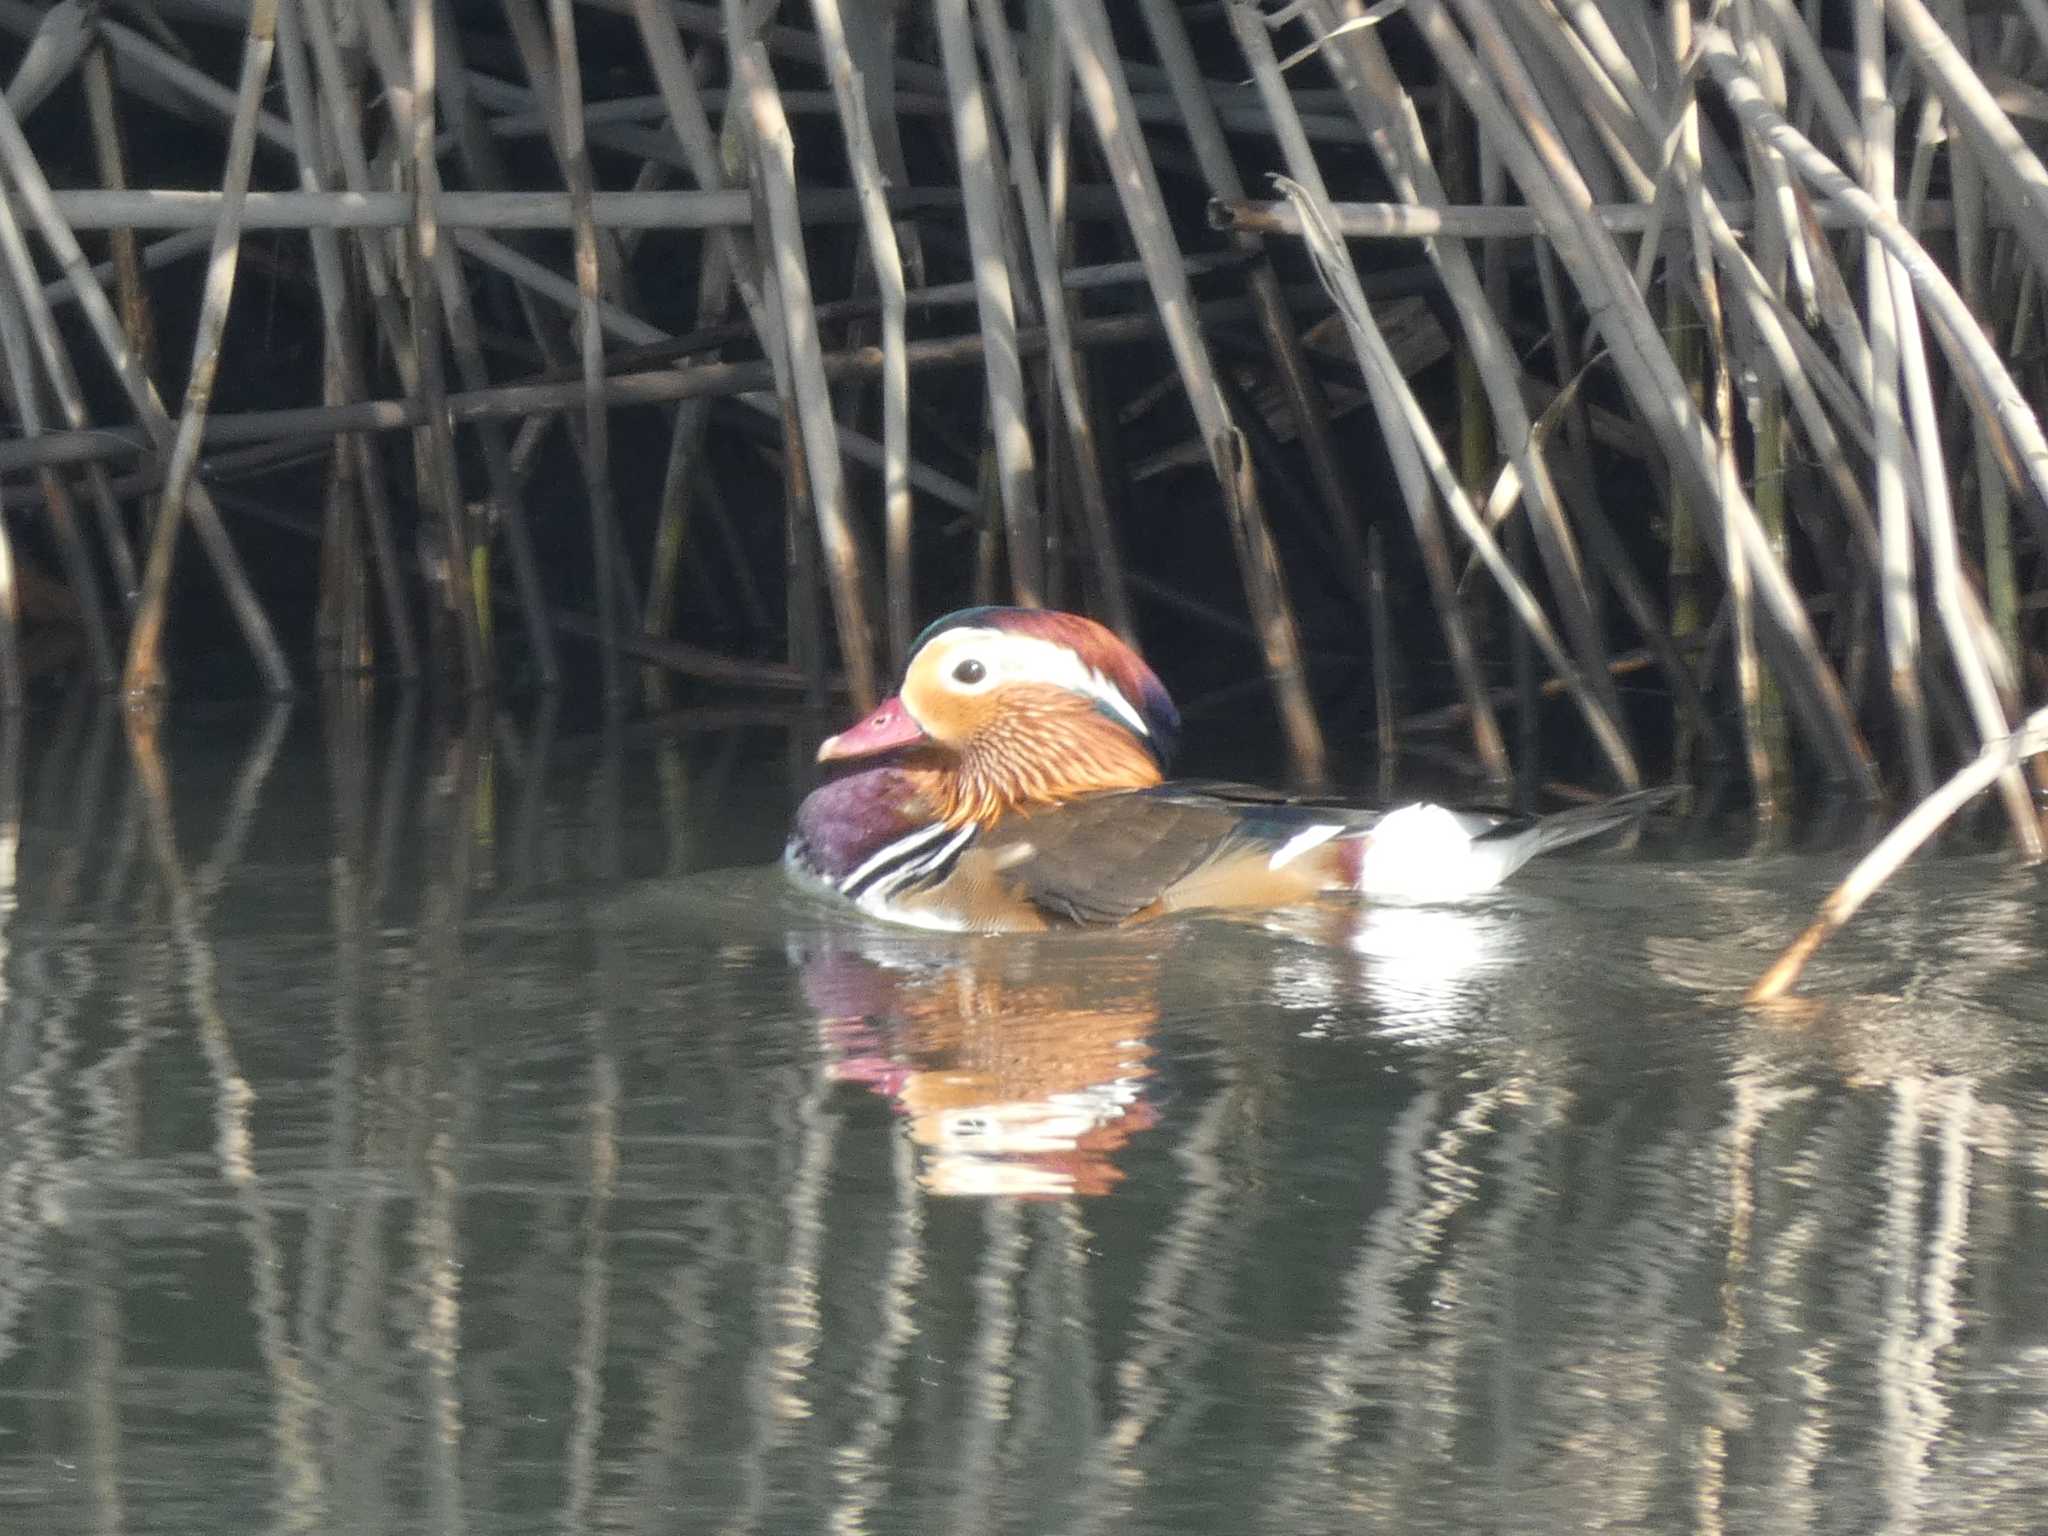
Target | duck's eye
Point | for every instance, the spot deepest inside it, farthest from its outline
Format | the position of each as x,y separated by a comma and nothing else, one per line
969,672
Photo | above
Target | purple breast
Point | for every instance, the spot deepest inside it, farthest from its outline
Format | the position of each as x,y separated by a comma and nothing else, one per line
841,823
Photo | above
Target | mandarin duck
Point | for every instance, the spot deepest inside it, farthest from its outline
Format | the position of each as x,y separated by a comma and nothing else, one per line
1017,782
1018,1069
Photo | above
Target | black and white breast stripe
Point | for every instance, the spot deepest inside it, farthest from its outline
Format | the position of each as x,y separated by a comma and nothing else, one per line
923,857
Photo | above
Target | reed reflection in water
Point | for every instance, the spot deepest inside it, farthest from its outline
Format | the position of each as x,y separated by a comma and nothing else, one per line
416,1127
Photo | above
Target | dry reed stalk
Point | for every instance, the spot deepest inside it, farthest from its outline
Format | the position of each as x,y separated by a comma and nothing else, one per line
597,480
1994,396
856,123
337,97
506,492
1058,322
775,178
1944,559
179,208
701,149
1009,422
1551,183
730,267
659,387
1311,410
144,670
21,319
359,487
2013,167
173,82
1900,844
554,78
434,463
1381,624
137,317
1397,403
341,627
1411,473
1363,70
1967,183
1084,29
13,689
1783,242
1481,221
1690,167
450,285
155,255
1782,236
1823,90
539,46
14,350
1900,605
111,158
60,39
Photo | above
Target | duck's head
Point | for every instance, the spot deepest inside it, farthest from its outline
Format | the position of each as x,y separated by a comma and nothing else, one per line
1020,707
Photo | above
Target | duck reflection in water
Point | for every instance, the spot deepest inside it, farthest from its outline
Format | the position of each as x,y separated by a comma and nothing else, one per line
1020,1067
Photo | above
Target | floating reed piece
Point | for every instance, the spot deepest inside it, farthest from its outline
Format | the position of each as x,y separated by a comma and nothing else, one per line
1685,306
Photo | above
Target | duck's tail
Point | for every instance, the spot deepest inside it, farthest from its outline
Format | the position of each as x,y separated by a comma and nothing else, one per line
1428,853
1561,829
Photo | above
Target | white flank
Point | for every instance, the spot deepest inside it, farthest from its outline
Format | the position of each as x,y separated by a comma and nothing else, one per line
1423,853
1301,842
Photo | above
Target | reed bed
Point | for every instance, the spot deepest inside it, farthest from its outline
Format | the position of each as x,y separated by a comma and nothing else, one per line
1729,324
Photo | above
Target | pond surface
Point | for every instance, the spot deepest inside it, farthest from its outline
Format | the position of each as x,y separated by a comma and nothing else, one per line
406,1131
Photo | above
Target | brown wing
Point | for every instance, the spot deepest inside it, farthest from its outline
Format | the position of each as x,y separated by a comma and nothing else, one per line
1114,857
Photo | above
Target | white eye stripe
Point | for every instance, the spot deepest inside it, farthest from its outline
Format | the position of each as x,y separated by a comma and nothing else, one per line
1025,658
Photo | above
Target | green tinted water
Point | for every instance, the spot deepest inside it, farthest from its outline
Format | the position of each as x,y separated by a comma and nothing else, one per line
404,1134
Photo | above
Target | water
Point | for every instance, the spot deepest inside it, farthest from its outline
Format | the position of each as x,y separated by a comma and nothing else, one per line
405,1132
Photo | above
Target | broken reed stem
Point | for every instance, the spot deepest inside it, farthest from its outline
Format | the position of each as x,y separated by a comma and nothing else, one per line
1084,29
144,670
1900,844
